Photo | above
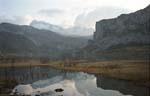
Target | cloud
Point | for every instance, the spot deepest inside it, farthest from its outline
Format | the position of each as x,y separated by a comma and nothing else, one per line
51,12
62,17
88,19
22,20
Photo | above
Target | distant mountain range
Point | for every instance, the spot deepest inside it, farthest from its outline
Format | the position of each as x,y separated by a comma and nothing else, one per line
71,31
124,37
21,40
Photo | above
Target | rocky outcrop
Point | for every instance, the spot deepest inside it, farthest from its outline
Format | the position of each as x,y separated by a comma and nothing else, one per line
124,37
126,28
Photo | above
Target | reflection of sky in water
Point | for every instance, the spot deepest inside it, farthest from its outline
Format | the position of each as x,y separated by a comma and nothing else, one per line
76,84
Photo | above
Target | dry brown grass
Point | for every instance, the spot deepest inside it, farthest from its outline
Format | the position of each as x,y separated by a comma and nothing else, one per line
135,70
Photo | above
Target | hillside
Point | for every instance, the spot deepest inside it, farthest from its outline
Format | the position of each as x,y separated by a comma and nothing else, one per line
127,28
21,40
124,37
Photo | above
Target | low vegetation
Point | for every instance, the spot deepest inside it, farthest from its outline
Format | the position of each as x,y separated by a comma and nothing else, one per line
134,70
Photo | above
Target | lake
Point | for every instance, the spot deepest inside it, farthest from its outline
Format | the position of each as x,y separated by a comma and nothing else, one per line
76,83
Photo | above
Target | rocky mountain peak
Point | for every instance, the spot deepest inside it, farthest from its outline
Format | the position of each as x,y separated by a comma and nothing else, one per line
126,28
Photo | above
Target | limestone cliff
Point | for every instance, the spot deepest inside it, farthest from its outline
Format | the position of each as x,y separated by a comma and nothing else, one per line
126,28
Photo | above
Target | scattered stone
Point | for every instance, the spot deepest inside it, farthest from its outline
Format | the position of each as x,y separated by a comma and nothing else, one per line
59,90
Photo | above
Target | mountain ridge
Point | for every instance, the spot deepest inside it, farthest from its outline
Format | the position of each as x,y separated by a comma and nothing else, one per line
41,43
130,27
75,31
125,30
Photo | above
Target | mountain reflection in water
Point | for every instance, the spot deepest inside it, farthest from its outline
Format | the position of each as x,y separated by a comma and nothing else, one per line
74,84
94,85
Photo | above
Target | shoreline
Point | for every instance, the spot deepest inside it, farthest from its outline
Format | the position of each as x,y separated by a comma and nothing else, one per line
131,70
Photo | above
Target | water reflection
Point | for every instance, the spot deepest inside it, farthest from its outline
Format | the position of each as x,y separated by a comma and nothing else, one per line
125,87
40,77
75,84
27,74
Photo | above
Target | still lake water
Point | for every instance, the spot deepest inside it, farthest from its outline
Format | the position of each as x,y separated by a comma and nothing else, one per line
74,83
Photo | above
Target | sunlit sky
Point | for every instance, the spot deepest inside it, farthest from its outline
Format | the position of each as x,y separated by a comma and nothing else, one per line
66,12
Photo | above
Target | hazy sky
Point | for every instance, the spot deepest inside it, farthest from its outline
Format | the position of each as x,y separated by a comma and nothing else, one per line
66,12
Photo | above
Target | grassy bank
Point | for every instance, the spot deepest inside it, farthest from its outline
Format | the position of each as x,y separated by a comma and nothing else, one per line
134,70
